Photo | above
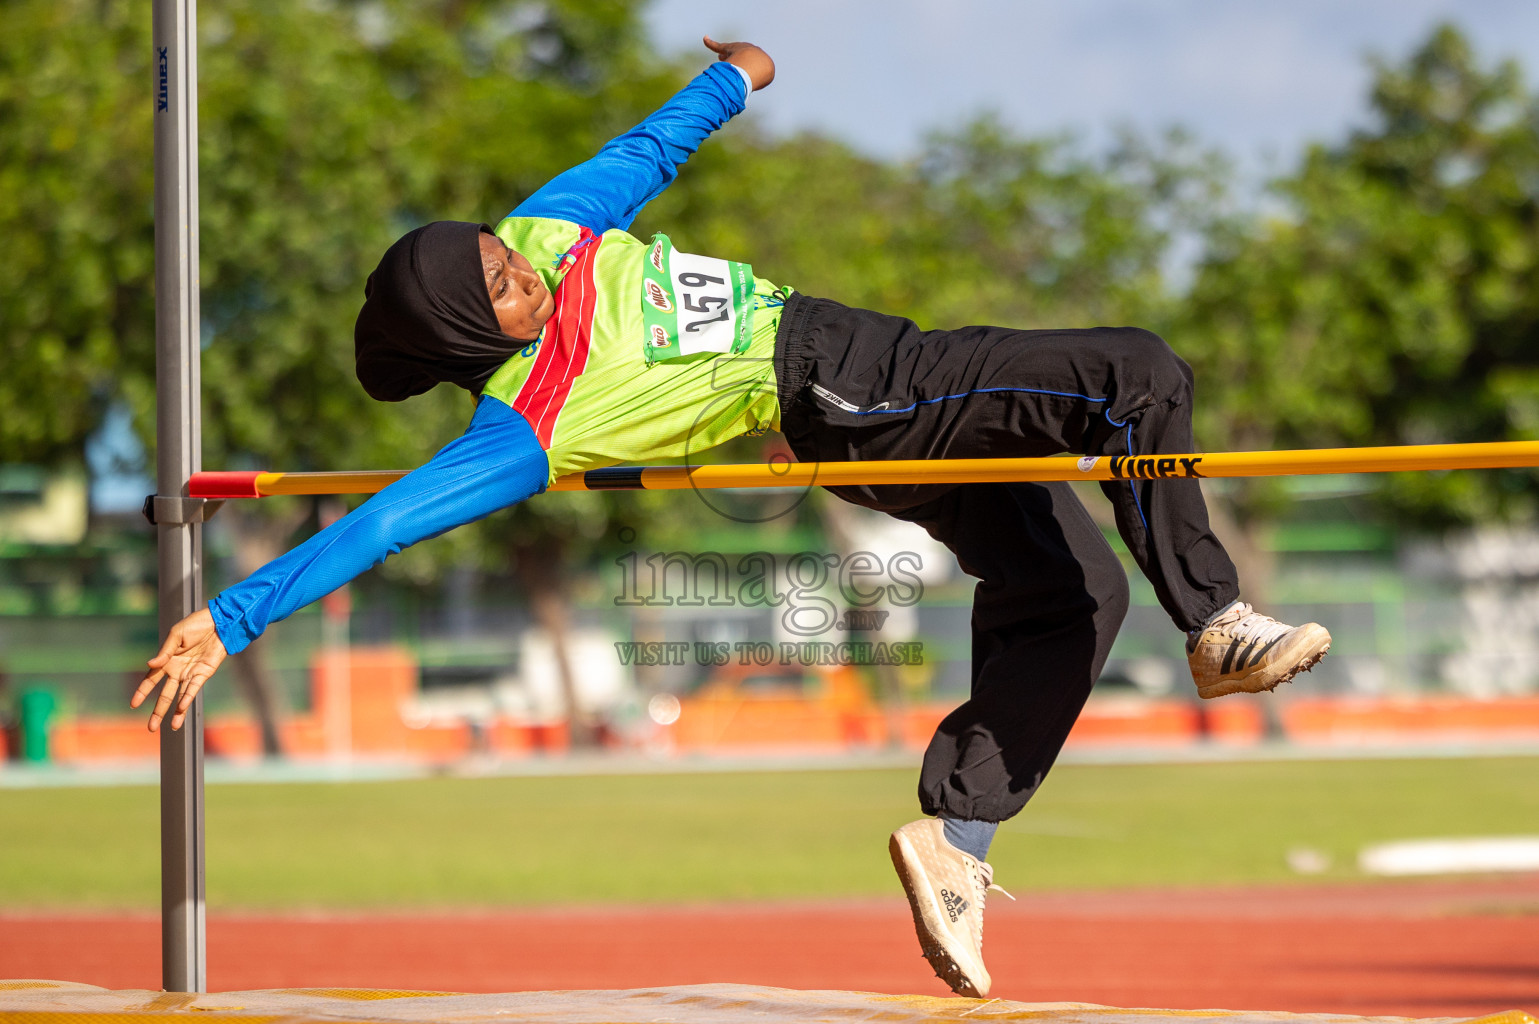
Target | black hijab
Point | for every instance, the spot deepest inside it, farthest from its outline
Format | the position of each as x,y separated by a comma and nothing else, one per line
426,316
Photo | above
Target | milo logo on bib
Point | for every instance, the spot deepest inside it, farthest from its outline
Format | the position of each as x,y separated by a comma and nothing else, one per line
694,304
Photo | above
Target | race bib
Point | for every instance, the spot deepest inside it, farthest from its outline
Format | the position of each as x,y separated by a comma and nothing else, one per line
694,304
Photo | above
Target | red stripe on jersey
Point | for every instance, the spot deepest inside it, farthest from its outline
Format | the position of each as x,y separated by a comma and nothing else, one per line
563,354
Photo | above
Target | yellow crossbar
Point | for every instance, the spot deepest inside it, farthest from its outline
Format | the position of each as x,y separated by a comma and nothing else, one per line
1305,462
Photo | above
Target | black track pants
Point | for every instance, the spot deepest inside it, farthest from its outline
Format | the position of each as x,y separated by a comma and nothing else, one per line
861,385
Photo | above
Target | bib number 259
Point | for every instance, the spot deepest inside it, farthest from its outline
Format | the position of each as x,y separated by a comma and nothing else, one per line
710,295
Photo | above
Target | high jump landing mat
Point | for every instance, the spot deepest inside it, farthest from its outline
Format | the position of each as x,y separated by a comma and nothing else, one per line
55,1002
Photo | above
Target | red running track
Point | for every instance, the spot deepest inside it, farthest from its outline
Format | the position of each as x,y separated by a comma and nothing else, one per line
1413,949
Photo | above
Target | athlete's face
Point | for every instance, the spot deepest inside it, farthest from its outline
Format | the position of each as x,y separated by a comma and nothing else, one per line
519,296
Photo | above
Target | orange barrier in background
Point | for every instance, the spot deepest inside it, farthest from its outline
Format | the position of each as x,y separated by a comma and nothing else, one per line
833,714
374,685
1384,719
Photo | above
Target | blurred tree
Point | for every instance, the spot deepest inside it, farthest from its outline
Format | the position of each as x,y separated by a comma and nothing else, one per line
75,186
325,131
328,129
984,227
1394,299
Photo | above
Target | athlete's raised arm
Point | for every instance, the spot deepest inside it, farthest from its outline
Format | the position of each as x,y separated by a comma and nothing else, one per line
608,190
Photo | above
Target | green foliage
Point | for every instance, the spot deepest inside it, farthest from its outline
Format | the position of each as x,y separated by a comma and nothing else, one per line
1394,300
325,130
1389,299
75,186
984,227
330,130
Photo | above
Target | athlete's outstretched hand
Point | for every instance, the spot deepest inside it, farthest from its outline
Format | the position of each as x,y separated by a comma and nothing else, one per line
761,70
190,655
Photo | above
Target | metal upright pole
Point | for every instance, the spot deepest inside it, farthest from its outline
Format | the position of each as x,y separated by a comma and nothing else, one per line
178,454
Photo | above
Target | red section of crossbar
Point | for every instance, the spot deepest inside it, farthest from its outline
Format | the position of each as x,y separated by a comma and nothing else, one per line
224,484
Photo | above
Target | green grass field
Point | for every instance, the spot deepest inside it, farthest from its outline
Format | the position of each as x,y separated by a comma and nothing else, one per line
705,837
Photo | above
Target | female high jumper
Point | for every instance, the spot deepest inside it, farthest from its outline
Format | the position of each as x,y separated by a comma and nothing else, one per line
589,347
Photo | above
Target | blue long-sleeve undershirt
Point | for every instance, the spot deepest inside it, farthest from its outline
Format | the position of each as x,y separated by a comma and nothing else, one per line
609,190
498,461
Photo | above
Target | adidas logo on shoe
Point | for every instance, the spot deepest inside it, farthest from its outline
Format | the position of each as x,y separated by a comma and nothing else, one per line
956,906
1242,651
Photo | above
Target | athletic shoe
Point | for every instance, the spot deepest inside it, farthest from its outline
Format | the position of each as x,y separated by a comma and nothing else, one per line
1244,651
946,890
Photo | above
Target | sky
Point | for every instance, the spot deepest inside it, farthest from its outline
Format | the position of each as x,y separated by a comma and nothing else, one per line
1258,79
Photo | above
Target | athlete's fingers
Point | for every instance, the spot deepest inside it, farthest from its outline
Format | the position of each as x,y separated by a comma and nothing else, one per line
190,688
145,686
164,701
189,694
158,666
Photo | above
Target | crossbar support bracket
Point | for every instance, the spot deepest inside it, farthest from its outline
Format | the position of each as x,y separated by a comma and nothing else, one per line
178,511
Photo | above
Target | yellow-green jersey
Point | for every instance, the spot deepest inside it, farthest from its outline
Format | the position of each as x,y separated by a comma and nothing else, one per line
650,353
596,390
